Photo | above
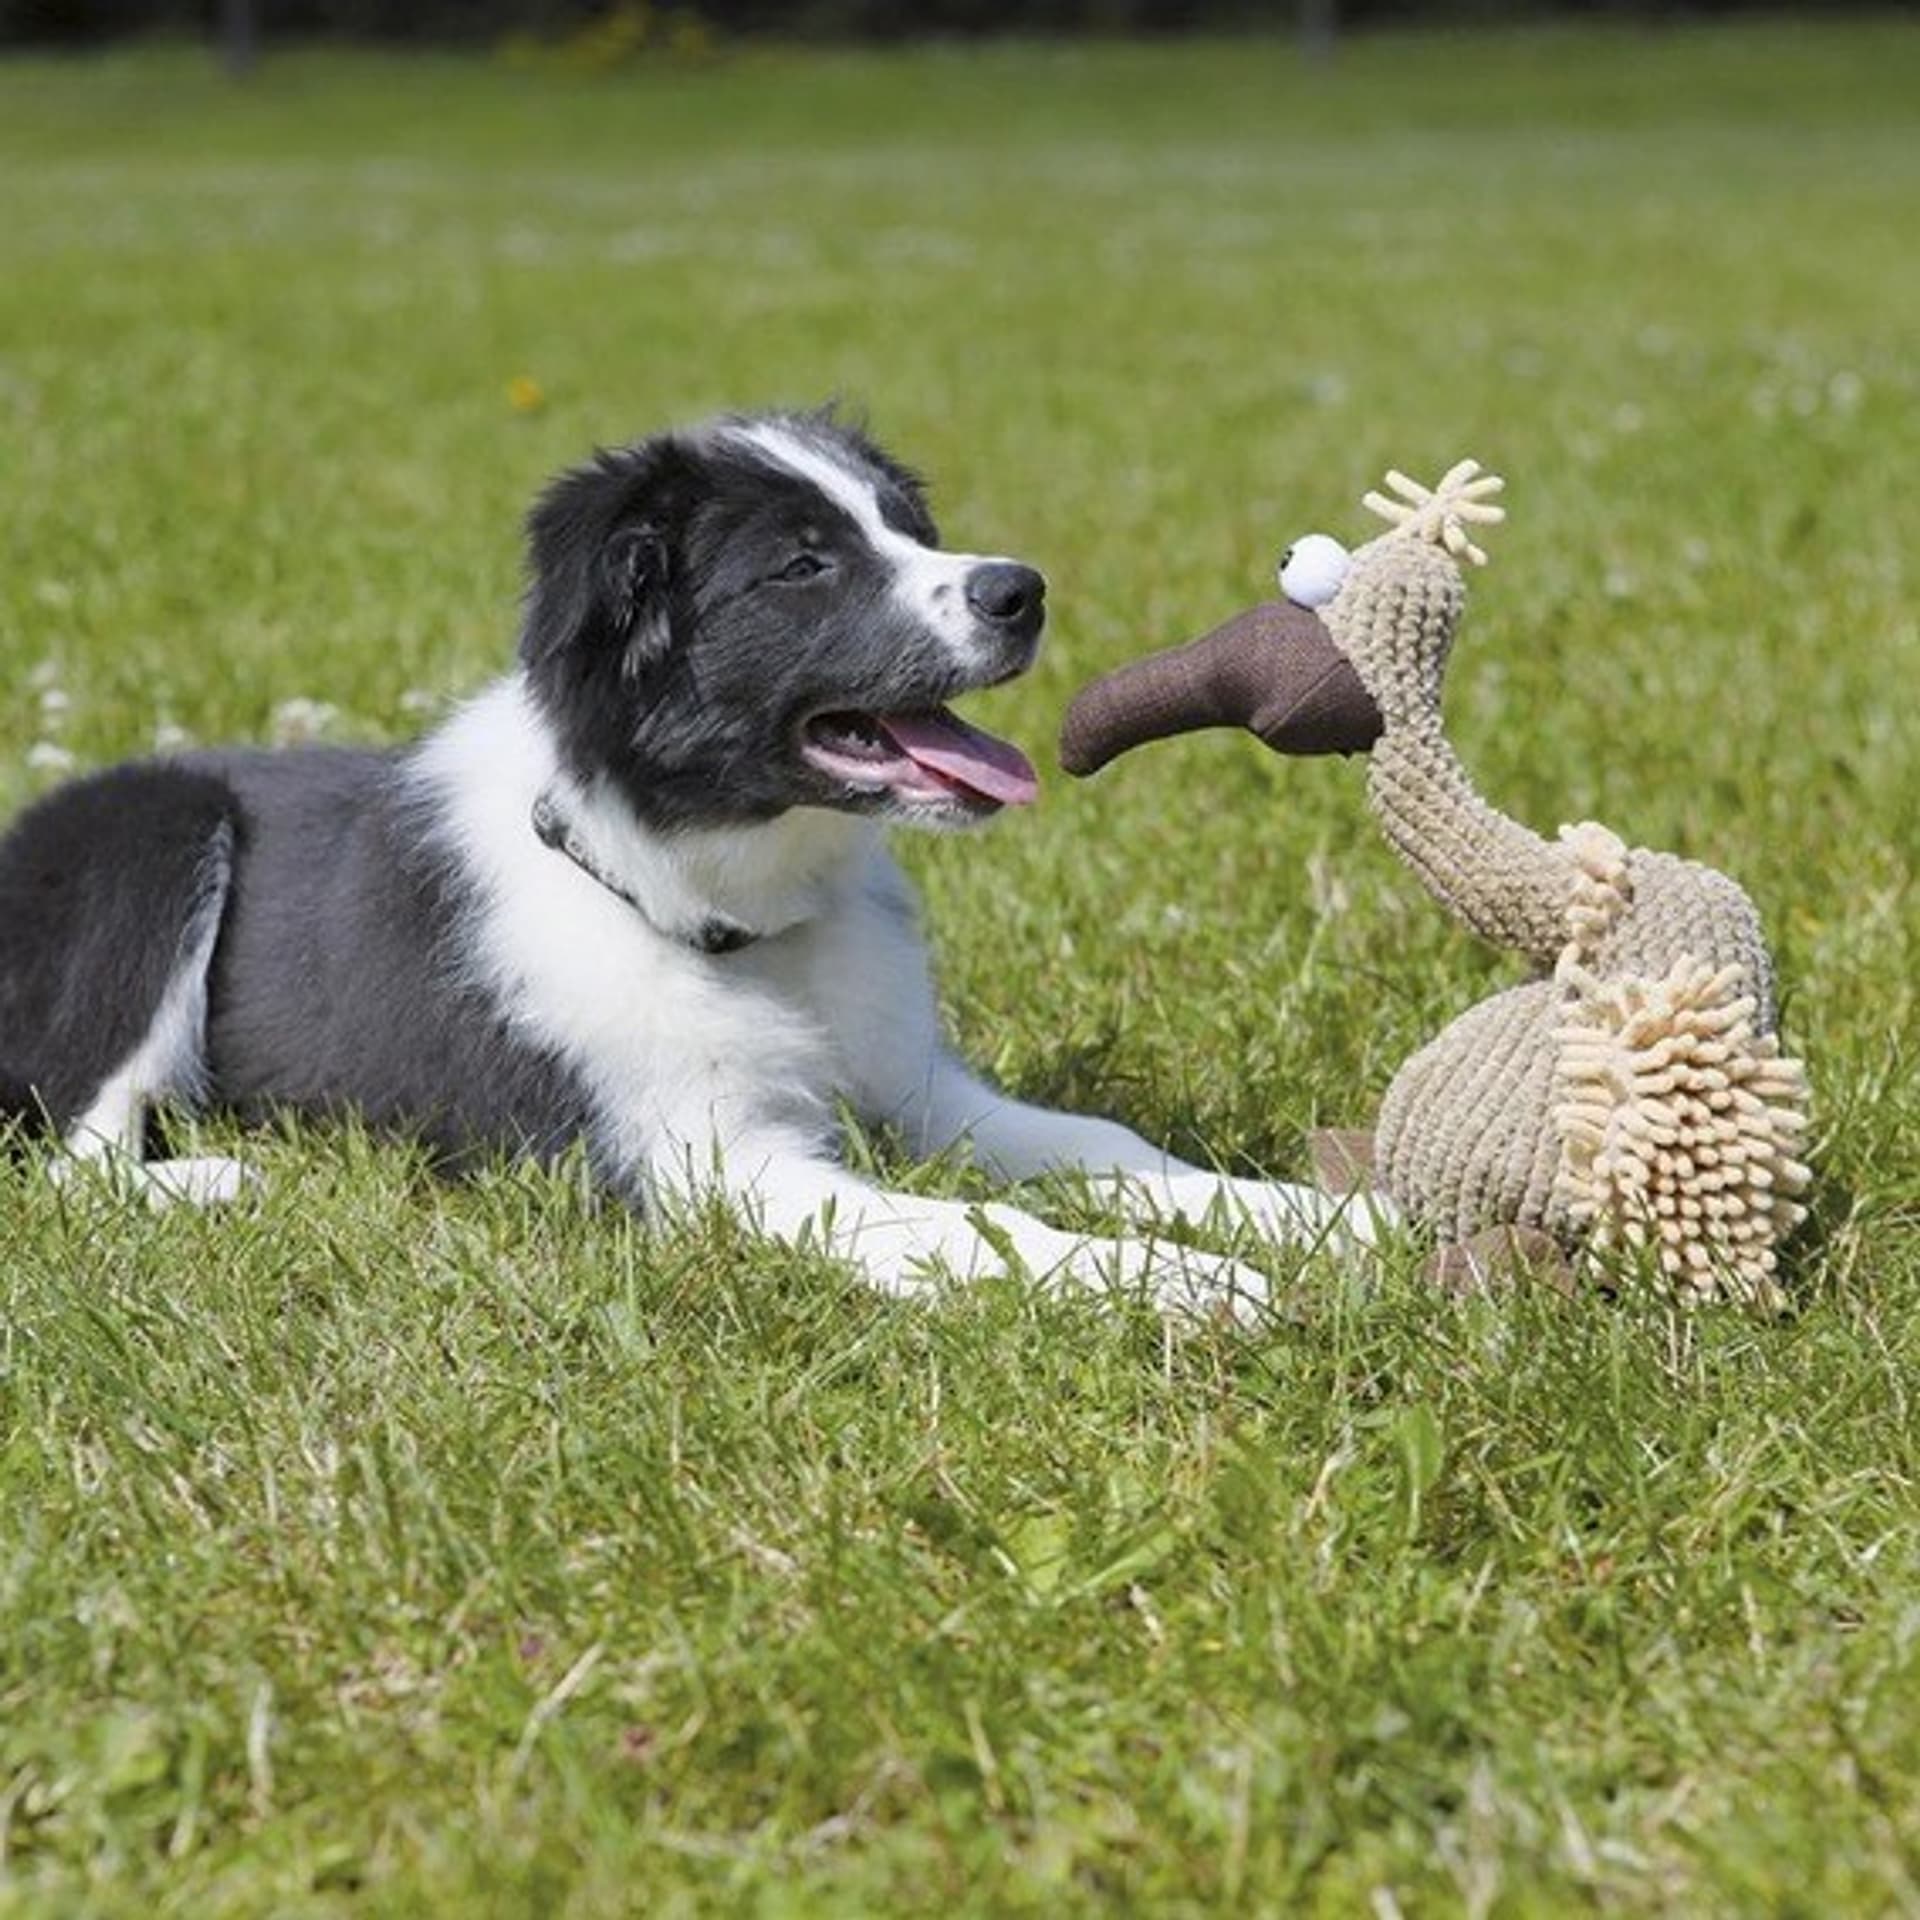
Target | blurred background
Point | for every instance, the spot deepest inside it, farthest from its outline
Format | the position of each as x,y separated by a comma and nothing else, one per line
241,21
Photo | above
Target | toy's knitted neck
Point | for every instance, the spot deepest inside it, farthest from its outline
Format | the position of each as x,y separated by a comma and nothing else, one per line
1395,616
1498,877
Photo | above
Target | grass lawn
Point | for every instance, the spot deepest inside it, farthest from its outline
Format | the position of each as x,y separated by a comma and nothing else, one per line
388,1548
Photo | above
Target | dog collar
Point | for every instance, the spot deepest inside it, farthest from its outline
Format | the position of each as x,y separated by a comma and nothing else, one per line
716,934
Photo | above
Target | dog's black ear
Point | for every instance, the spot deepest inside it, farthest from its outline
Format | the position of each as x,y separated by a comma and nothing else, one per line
599,549
635,579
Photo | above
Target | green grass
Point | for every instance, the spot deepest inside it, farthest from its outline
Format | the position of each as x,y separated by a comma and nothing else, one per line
390,1548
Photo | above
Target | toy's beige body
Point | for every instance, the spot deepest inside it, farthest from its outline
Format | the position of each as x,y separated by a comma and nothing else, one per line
1630,1095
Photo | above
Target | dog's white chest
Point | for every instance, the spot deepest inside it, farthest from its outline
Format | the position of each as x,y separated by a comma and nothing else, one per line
671,1042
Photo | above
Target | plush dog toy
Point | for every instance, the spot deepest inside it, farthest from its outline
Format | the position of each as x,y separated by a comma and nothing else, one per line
1632,1094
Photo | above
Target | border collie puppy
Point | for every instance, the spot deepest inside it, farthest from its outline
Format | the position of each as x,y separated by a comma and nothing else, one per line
634,896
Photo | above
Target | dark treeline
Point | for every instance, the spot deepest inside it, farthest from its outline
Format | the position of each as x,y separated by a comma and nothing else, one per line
469,21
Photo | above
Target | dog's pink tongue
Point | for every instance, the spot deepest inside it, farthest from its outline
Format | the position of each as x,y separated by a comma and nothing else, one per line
944,744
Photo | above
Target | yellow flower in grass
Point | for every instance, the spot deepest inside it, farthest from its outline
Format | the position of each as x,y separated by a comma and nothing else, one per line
525,394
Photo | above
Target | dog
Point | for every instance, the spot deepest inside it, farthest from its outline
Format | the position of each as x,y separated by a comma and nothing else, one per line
634,899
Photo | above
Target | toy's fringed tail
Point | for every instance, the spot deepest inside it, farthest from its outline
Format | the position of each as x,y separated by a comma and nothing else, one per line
1680,1122
1680,1127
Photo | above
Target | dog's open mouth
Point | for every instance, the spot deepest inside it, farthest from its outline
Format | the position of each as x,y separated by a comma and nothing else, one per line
931,755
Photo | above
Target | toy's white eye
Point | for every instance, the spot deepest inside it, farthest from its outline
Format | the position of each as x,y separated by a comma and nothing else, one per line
1312,568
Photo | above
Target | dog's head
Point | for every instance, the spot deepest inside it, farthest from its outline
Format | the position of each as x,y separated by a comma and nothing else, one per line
756,615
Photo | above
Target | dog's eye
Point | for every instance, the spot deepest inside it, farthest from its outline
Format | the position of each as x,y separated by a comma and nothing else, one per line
803,566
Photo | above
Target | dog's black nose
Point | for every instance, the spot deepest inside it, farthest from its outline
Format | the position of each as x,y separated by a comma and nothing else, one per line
1008,594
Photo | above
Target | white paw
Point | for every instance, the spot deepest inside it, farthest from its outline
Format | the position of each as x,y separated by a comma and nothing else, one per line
208,1179
1286,1214
205,1181
1177,1280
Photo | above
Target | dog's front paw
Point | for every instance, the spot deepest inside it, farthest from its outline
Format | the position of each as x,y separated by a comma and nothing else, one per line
1176,1280
1193,1285
1289,1215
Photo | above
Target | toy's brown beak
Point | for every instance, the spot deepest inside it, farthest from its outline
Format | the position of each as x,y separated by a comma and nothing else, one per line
1274,670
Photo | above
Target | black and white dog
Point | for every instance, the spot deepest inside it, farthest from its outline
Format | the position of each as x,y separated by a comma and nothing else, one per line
633,896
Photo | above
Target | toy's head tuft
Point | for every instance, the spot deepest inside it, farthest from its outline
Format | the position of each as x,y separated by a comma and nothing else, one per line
1395,604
